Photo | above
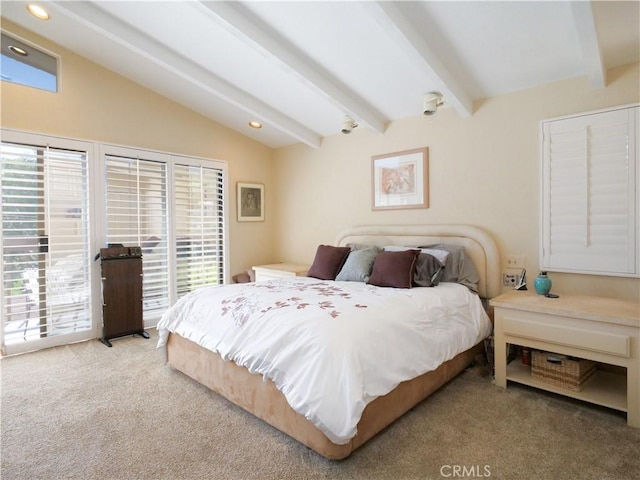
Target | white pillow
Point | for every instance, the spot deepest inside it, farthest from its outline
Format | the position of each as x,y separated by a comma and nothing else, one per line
441,255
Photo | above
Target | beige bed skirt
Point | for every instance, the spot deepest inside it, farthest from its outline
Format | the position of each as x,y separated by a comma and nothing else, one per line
264,400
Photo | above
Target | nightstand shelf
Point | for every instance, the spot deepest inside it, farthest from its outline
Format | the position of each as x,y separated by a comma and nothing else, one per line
604,388
604,330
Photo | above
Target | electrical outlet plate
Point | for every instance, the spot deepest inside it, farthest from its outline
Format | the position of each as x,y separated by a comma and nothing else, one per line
515,261
509,279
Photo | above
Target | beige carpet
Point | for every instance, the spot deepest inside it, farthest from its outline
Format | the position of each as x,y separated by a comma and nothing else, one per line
86,411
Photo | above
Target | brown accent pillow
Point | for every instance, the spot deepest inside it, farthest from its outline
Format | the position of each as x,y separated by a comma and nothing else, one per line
394,269
241,278
328,262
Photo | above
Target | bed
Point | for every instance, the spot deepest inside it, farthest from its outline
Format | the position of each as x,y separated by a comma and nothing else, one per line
269,392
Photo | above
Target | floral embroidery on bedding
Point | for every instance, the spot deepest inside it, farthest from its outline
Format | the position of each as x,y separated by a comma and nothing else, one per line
241,308
244,305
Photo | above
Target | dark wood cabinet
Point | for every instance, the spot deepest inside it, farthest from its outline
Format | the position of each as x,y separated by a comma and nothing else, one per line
121,293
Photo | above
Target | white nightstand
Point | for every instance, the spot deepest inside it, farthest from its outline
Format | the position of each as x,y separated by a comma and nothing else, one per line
279,270
604,330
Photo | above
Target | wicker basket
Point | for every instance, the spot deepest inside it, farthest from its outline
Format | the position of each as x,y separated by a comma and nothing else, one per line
561,371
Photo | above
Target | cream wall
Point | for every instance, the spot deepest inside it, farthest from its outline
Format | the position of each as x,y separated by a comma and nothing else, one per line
483,170
98,105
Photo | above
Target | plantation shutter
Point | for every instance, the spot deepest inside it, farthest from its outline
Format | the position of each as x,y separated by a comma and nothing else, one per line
136,211
63,199
45,244
590,194
199,226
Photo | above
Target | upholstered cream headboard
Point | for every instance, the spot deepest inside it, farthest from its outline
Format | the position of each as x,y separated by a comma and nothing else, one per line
477,244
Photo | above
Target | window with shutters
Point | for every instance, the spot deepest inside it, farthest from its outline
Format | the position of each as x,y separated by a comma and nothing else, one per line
173,207
182,250
136,215
64,199
199,227
590,168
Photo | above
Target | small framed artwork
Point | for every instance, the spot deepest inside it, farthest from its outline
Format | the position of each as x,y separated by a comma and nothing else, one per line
400,180
250,202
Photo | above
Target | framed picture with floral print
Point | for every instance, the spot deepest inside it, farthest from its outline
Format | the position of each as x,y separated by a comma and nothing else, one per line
400,180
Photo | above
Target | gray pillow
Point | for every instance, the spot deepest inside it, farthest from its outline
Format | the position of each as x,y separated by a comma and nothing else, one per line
458,268
358,265
428,271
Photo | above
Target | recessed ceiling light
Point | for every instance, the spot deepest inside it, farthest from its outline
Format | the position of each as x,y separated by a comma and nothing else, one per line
18,50
254,124
38,12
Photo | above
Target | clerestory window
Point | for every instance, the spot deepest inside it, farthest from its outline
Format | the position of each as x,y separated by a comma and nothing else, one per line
22,62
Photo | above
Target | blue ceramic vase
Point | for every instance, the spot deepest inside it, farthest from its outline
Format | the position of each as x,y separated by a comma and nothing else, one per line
542,283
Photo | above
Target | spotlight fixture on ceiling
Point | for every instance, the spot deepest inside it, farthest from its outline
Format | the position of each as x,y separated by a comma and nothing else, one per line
348,125
255,124
432,101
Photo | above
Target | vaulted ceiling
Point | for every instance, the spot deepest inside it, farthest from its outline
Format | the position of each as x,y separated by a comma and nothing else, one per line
299,67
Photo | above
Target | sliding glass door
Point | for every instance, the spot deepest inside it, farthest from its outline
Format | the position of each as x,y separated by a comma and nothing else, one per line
46,294
64,199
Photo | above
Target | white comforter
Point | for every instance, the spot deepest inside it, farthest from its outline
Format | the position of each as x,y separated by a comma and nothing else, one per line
330,347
